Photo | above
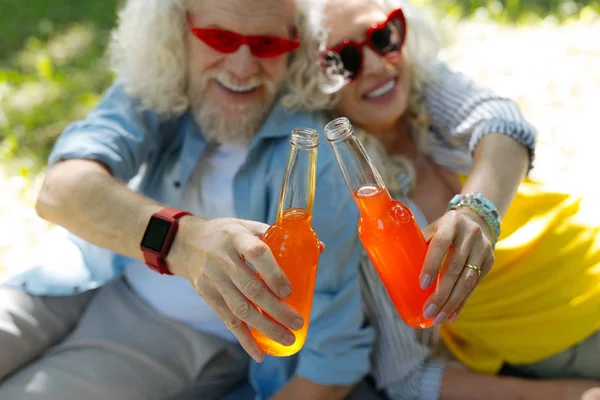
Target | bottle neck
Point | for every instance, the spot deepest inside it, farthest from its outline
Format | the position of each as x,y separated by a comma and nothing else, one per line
360,174
373,202
298,190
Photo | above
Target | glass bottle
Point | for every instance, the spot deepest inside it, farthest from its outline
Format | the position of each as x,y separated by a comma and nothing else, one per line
387,228
291,238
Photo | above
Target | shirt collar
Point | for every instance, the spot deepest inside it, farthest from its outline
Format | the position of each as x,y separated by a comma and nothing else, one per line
279,123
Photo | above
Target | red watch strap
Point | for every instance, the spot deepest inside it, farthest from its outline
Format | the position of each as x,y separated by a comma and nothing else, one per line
156,261
172,213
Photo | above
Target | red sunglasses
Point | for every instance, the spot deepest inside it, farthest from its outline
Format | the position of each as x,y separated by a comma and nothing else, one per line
385,38
225,41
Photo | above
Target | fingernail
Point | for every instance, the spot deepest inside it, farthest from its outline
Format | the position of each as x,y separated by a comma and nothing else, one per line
258,357
453,317
285,291
426,281
440,318
289,339
297,324
430,311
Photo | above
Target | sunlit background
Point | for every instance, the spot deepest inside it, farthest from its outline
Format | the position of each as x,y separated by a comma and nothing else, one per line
543,53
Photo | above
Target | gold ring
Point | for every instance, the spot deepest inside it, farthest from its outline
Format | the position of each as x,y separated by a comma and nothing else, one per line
474,268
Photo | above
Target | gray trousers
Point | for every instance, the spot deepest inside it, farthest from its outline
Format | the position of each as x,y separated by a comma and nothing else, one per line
107,344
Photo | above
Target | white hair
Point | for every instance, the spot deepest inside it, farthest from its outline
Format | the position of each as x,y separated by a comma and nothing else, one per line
310,89
149,53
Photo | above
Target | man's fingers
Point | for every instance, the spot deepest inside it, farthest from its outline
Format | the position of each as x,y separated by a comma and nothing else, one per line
258,253
245,311
240,276
256,228
214,299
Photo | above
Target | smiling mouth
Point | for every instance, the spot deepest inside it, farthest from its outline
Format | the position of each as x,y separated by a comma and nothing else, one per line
237,88
382,90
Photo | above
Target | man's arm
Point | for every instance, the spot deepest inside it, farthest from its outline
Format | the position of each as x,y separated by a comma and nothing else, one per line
84,188
84,198
84,193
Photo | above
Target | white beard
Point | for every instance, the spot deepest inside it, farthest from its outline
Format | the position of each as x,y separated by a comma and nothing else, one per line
217,128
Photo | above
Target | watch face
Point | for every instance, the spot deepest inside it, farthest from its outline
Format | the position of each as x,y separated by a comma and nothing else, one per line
155,234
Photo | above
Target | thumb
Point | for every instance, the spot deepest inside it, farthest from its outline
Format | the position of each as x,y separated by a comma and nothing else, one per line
256,228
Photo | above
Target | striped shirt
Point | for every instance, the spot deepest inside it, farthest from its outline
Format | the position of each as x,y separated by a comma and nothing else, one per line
461,113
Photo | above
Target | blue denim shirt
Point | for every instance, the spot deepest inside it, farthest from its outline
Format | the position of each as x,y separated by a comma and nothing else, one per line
161,154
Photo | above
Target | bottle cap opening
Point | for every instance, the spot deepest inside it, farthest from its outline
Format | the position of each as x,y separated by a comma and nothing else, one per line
305,138
338,129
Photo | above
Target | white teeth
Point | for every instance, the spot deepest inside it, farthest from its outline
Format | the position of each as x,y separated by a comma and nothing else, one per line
382,90
236,88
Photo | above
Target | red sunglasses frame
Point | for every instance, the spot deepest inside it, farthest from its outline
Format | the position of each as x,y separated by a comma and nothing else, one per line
281,45
395,14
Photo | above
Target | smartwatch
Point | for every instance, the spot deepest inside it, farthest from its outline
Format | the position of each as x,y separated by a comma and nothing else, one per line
159,236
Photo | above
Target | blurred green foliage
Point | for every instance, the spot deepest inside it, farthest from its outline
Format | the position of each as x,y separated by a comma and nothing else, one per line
53,69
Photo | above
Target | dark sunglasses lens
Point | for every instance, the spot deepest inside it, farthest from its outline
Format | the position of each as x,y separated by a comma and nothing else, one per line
351,59
388,38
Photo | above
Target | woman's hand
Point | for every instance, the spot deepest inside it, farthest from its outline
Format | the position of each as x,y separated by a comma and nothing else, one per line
464,239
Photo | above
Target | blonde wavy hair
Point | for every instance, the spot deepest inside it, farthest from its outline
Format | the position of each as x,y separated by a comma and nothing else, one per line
148,52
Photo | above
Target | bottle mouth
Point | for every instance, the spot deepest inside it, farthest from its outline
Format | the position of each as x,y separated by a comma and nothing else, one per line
305,138
338,129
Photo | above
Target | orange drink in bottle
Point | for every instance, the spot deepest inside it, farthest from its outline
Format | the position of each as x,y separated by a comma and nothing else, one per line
291,238
387,228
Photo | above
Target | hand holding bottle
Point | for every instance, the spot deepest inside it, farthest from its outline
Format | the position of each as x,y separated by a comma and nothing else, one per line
212,255
387,228
460,237
292,239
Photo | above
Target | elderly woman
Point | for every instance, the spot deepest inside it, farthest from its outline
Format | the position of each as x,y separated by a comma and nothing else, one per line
440,142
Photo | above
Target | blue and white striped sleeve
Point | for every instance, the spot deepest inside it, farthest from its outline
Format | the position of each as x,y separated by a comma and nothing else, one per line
461,112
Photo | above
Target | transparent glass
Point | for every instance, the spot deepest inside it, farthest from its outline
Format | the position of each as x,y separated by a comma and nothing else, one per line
387,228
292,239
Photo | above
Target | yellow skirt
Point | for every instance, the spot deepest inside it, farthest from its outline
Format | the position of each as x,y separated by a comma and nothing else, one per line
543,293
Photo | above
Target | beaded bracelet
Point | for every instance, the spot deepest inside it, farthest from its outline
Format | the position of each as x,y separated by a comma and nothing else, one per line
483,207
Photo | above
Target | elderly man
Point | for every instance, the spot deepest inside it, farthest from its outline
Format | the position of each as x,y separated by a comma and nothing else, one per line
194,117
